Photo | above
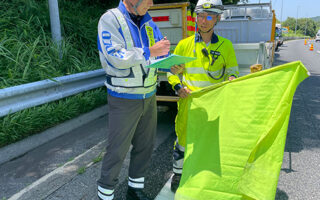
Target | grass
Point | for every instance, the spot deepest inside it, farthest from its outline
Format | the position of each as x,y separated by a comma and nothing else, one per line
81,170
98,158
291,33
27,54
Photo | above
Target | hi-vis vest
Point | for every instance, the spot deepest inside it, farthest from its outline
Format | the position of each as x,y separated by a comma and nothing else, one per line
130,76
198,73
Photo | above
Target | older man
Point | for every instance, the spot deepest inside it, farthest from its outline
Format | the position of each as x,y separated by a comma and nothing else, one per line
127,40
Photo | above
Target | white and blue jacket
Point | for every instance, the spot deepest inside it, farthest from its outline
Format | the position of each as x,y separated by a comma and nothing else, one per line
124,53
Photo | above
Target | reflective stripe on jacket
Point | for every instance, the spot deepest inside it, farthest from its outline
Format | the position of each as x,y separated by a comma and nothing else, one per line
124,53
199,73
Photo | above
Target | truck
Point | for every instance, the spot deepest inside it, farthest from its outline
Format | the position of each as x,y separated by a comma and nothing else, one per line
250,27
279,37
318,36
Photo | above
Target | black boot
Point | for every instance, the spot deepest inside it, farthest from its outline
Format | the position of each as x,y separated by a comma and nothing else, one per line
136,194
175,182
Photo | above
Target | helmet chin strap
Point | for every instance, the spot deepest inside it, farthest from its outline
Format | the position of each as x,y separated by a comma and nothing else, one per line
206,31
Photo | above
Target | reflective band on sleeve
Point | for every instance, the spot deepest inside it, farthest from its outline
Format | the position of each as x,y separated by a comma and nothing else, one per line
124,27
195,70
200,84
233,71
149,30
151,78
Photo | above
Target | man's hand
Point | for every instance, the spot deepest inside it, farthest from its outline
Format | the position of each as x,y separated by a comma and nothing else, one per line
231,78
177,69
160,48
184,92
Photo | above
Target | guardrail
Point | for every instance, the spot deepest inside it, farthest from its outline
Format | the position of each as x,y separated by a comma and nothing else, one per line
292,38
24,96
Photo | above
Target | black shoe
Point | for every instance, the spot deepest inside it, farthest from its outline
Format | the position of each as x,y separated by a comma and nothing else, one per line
136,194
175,181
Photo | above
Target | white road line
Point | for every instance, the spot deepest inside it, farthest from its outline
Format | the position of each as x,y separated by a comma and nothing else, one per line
166,193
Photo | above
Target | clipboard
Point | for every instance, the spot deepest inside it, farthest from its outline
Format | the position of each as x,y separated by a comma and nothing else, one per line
168,62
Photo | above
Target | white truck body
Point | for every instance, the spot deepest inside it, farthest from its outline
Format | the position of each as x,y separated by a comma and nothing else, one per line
253,53
246,23
250,28
318,36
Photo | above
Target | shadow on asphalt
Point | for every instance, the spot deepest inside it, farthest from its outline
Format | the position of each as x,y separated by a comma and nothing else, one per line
304,130
281,195
278,61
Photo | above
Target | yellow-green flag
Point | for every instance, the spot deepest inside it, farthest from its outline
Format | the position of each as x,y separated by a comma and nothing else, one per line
236,134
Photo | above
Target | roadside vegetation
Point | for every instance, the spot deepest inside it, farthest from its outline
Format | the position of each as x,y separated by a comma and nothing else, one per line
297,34
27,54
305,27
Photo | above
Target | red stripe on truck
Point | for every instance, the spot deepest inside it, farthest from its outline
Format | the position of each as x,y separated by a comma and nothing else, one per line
161,19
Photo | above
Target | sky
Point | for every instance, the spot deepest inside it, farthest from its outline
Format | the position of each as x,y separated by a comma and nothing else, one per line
304,8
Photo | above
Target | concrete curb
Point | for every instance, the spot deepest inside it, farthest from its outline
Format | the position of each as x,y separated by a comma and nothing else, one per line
15,150
51,182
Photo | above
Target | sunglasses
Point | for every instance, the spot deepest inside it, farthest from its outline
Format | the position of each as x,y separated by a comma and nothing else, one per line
207,17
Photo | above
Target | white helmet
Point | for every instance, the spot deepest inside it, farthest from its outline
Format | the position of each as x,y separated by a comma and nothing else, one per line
211,6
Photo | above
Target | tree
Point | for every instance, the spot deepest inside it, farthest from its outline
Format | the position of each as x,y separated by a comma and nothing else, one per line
305,26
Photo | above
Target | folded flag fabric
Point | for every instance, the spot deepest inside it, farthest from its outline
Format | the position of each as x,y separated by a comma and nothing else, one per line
236,134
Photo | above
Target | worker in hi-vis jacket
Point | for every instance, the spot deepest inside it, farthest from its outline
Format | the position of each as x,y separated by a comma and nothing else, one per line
216,62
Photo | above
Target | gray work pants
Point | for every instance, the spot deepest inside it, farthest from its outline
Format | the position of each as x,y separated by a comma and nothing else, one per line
130,122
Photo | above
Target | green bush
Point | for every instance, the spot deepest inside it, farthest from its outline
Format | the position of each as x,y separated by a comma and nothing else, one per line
27,53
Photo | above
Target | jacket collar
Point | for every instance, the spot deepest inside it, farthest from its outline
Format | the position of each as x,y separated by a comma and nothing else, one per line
214,38
124,10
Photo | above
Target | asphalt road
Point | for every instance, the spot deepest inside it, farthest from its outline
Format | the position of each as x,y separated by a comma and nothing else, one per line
299,176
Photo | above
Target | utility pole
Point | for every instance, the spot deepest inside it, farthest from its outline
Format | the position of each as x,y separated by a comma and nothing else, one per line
295,31
55,23
305,31
281,10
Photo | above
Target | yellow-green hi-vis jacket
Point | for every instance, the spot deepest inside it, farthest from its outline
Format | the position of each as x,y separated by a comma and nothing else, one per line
197,73
203,71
